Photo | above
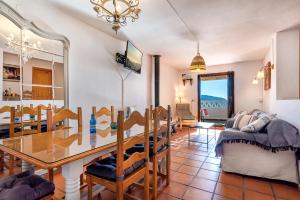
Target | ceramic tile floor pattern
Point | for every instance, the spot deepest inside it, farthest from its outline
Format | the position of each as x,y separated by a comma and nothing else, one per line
196,175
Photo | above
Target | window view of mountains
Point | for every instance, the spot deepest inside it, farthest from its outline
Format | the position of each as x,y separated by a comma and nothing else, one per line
211,98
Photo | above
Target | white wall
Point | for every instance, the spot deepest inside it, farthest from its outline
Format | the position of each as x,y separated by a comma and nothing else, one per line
285,109
93,78
169,83
247,95
287,51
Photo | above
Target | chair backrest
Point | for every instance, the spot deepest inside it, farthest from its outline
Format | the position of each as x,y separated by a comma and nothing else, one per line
5,109
104,112
61,117
183,108
161,137
25,126
134,119
5,112
43,107
57,109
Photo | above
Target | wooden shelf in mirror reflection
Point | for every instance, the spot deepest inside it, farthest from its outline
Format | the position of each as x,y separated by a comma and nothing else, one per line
11,80
11,98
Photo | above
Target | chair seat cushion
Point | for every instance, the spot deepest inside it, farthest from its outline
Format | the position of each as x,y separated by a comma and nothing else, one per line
25,186
106,168
140,148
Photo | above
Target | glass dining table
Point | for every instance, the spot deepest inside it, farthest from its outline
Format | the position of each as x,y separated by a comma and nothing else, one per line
69,149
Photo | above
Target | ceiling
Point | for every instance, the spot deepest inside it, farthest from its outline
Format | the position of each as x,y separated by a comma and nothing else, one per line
228,31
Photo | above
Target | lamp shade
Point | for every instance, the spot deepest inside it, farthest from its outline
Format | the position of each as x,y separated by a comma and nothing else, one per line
260,74
198,64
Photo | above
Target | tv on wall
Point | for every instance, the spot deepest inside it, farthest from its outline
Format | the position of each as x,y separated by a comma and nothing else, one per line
133,58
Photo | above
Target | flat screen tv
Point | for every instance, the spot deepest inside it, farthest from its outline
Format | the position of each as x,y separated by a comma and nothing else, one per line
133,58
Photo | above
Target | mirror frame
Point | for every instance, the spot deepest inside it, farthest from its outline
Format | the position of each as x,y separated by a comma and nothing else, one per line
23,23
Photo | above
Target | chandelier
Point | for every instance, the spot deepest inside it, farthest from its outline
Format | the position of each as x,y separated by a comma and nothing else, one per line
198,63
26,47
116,12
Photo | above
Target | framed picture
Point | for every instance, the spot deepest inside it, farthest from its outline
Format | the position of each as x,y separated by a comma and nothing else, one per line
267,76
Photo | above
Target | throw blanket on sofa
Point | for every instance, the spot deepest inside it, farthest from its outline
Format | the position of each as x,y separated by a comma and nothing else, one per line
280,136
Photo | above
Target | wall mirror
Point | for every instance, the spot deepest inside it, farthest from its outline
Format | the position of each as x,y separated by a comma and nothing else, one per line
33,63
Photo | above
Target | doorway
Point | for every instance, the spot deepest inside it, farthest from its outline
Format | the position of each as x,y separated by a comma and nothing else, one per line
41,76
215,96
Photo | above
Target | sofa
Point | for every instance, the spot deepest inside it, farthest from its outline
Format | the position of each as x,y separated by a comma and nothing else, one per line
272,152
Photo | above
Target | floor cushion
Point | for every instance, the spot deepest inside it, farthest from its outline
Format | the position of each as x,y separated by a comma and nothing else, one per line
25,186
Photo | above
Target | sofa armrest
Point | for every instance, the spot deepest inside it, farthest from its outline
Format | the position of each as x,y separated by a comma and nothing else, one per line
229,123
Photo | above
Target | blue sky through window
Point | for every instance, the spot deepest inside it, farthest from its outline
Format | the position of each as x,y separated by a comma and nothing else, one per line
216,88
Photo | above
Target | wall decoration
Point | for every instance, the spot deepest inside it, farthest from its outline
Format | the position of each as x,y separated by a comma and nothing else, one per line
267,76
186,77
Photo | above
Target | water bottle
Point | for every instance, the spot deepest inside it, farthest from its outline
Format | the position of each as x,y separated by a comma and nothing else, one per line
93,140
17,120
32,117
93,124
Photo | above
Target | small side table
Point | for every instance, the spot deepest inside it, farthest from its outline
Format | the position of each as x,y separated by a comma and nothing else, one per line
199,126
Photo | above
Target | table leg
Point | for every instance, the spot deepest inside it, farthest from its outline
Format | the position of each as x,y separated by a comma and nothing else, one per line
26,166
71,172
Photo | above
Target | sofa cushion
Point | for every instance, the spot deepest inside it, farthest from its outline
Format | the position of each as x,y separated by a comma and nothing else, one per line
106,168
257,125
25,186
242,112
259,113
243,120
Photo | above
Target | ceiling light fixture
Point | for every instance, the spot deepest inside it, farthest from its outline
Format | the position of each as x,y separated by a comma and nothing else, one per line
28,48
198,63
116,12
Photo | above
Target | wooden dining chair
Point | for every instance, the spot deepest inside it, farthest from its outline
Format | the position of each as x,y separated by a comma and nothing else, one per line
57,109
43,107
120,171
58,120
104,112
25,126
161,145
3,164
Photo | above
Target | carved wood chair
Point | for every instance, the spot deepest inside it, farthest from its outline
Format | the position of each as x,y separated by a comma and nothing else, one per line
3,164
43,107
57,121
23,126
161,145
124,169
104,112
57,109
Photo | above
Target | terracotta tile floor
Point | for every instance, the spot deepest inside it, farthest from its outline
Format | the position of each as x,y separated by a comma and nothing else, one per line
196,174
